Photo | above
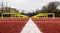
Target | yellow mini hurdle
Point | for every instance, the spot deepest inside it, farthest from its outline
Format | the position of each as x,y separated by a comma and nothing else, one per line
14,15
44,15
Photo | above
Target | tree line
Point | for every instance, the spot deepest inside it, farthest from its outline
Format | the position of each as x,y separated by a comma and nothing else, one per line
52,7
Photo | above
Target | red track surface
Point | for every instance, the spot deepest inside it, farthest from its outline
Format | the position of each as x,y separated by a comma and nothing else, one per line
48,25
12,25
15,25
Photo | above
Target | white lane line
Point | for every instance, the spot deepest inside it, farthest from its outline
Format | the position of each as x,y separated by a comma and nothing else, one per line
30,27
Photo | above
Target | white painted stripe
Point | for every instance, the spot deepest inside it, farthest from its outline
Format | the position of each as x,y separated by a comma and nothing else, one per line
30,27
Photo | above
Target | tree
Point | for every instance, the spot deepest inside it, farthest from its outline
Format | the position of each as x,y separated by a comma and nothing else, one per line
52,8
44,9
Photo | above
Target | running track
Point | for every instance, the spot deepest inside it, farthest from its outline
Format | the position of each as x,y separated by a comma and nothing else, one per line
15,25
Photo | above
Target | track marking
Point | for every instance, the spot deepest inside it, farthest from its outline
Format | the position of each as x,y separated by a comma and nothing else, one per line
30,27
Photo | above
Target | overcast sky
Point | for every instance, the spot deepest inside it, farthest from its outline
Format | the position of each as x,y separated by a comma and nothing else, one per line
27,4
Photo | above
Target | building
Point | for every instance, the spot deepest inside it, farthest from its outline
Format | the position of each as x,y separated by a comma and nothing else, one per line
8,10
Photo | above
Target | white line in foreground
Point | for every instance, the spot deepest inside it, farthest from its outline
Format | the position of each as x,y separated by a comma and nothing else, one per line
30,27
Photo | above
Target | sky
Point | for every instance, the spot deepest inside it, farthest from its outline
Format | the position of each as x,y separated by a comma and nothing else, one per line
27,4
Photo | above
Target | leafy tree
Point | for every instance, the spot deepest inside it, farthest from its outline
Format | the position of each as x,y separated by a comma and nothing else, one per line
51,8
